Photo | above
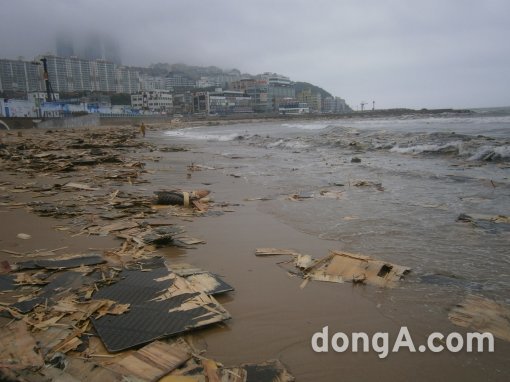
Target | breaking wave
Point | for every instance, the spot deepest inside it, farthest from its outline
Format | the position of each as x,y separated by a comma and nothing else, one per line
471,141
306,126
472,151
468,147
288,144
204,137
491,153
450,147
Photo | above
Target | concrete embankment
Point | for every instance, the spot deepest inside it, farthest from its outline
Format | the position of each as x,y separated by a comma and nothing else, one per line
94,120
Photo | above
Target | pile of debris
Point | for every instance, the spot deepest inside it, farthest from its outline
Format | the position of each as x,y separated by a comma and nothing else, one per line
62,300
80,317
61,153
172,361
341,266
82,175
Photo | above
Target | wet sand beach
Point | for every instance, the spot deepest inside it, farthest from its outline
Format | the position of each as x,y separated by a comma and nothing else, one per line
273,316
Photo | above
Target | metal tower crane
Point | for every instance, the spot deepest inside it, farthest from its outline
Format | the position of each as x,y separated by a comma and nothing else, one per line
49,90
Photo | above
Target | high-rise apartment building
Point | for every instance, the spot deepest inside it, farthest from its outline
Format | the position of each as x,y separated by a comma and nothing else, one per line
18,75
70,74
127,80
102,76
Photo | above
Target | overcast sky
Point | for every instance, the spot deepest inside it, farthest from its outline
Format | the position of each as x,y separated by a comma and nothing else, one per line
429,53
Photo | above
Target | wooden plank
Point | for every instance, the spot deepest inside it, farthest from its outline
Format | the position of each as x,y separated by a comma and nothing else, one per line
153,361
17,348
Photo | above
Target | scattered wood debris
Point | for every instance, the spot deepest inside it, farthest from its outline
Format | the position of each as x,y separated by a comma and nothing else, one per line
275,252
355,268
80,186
321,194
343,267
201,280
71,311
174,361
483,315
153,361
63,311
368,183
269,371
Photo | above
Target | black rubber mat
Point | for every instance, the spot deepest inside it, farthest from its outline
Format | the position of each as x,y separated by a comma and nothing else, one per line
75,262
7,282
147,319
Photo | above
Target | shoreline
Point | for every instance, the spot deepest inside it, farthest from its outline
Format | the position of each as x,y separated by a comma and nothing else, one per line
272,317
193,120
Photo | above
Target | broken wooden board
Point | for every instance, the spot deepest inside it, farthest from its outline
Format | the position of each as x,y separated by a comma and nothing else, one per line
483,315
79,369
184,269
161,304
300,260
275,252
80,186
187,240
201,280
180,378
153,361
343,266
269,371
17,349
154,222
114,227
208,283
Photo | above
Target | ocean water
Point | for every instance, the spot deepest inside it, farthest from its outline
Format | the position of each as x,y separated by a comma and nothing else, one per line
399,200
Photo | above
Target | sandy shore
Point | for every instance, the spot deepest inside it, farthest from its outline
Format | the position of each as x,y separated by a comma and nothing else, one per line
272,317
